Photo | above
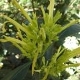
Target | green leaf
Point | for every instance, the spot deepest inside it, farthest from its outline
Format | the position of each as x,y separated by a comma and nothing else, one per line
67,55
73,65
13,40
51,8
19,73
57,16
69,24
43,12
22,10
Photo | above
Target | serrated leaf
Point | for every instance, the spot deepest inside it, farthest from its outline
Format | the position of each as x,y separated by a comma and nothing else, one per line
67,55
57,17
22,10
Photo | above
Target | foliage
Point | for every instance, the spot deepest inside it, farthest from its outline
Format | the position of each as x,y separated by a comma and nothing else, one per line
33,41
69,9
73,11
18,73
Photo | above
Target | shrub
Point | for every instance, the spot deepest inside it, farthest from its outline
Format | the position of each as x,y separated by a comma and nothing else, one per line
34,40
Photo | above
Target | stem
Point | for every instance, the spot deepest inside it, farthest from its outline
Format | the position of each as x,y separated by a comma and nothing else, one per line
46,75
33,6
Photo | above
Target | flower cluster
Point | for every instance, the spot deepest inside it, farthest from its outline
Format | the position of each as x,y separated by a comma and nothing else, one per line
71,42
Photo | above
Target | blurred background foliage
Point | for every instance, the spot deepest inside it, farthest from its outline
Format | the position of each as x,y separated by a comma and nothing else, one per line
69,8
